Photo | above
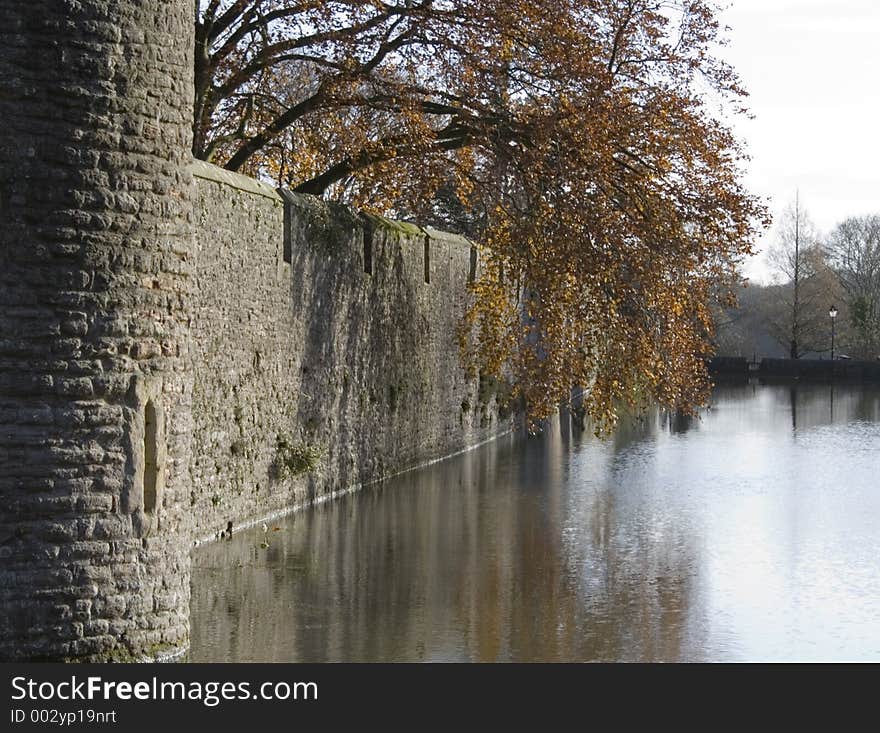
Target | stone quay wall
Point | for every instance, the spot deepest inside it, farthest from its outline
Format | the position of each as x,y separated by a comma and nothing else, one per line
324,351
182,347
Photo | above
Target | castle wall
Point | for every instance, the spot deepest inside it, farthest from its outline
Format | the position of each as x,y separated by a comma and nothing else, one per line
95,282
361,368
175,355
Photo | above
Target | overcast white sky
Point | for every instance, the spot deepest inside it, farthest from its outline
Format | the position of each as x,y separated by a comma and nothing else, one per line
812,68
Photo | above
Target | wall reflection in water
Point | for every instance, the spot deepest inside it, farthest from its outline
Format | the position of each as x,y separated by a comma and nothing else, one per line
744,533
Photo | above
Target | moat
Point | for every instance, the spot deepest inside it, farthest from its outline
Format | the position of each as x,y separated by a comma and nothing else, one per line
749,533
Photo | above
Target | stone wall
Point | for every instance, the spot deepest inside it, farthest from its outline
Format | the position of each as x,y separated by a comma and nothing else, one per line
95,278
820,370
359,369
166,369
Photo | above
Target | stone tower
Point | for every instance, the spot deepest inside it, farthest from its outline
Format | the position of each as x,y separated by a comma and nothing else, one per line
95,282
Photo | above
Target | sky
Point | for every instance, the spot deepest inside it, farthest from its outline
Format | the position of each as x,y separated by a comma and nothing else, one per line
812,68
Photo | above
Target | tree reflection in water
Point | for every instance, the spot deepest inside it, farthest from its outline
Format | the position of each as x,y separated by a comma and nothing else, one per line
655,544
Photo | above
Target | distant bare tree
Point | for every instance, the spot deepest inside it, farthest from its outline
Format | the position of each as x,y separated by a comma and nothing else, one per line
799,316
854,253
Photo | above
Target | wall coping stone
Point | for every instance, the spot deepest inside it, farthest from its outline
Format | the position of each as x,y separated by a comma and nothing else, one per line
211,172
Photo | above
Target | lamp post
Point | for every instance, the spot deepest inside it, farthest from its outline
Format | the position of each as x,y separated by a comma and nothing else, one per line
832,312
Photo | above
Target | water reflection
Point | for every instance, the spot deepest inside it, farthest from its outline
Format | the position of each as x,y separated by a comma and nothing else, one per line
745,533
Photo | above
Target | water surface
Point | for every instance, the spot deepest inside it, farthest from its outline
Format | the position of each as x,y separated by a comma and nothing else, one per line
751,533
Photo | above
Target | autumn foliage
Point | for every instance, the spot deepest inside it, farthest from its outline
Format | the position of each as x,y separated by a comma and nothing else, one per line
582,144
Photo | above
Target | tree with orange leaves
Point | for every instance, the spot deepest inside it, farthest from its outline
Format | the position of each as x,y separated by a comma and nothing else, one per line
585,138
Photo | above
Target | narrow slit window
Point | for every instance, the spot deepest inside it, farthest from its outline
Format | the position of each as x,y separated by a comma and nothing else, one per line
151,467
368,248
288,234
427,259
472,275
287,243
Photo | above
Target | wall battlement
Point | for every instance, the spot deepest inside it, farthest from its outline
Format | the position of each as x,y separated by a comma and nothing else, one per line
317,330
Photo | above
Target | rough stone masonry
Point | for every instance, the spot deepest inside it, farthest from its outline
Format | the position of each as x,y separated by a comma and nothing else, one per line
179,351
